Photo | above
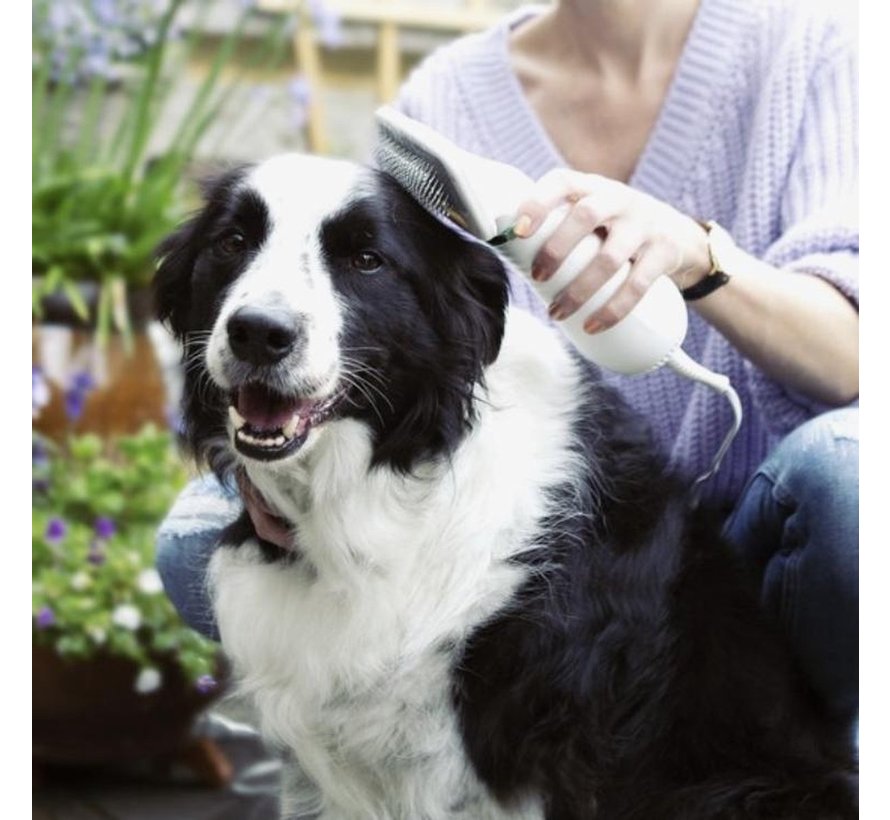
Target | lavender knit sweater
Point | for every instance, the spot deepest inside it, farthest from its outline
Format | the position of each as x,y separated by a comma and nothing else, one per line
758,131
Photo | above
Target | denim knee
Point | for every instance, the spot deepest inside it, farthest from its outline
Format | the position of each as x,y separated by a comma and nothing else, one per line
182,564
819,463
797,525
185,544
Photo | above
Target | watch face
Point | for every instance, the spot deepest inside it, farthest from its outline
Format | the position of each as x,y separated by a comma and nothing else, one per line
722,247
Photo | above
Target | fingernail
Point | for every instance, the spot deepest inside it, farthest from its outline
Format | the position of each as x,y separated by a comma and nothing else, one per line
557,312
522,226
592,326
539,274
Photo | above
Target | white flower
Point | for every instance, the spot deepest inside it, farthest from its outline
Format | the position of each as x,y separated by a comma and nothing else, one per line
97,635
148,680
149,581
40,393
80,581
127,616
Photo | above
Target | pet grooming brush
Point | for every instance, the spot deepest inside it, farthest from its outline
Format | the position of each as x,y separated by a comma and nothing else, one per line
481,196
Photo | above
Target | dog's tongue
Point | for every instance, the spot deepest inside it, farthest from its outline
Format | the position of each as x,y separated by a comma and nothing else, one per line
265,410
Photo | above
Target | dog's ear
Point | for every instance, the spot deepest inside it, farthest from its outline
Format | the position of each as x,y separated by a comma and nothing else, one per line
178,253
172,281
478,284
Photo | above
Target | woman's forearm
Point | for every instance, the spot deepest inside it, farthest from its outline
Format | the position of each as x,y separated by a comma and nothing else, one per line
795,326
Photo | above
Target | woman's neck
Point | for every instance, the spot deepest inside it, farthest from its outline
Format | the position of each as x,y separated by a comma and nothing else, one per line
629,37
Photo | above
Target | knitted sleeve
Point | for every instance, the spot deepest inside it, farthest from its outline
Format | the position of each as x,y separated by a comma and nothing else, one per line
820,233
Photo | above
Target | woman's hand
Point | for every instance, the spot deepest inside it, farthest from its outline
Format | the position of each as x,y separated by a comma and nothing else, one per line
796,327
268,524
655,238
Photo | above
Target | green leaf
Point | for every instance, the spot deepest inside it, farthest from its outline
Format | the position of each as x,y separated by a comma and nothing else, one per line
76,298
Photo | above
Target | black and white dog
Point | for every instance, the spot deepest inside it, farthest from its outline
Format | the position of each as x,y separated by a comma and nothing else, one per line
498,606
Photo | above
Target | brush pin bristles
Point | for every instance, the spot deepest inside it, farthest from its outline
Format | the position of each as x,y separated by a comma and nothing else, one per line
420,174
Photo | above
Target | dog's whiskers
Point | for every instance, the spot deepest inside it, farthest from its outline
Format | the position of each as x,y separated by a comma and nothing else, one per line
359,376
353,381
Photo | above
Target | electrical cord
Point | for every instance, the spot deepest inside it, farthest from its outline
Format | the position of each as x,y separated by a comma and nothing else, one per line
686,366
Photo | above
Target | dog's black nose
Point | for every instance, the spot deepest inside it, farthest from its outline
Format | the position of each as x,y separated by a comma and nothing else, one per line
262,336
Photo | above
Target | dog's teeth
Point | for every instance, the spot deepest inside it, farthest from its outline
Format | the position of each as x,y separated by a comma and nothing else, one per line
280,441
238,421
291,427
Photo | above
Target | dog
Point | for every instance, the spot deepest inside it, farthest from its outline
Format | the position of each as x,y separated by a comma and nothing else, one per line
498,604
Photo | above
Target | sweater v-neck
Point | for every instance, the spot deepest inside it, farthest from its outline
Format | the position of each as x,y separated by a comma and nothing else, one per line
512,128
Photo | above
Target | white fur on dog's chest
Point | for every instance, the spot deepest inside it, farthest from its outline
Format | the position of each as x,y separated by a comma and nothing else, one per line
358,683
359,690
348,652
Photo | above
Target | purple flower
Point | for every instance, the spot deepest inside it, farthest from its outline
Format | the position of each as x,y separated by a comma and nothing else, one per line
97,64
39,456
56,530
301,93
59,18
87,38
76,394
206,684
82,381
300,90
327,21
40,467
105,527
106,12
74,403
45,618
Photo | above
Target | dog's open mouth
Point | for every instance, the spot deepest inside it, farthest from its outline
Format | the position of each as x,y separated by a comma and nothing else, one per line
270,426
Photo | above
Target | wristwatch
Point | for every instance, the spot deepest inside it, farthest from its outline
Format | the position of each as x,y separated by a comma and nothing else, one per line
720,247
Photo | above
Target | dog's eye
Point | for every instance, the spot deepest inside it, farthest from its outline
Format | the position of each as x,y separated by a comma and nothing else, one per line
367,262
230,244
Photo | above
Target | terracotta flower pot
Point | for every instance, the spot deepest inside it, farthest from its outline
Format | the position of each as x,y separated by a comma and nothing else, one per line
89,712
127,387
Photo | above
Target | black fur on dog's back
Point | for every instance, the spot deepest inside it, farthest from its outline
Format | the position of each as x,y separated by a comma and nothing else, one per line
635,676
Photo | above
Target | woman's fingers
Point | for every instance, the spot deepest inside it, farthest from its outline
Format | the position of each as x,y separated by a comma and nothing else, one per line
651,262
621,243
584,218
269,526
653,236
553,189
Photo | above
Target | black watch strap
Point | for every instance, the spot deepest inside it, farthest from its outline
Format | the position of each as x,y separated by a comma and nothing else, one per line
719,243
707,285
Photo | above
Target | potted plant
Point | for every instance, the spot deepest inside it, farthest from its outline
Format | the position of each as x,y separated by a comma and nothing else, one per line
110,159
116,673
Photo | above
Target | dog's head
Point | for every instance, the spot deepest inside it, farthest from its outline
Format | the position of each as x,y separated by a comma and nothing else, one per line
310,290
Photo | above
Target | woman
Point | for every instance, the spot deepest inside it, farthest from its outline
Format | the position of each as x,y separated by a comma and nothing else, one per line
713,142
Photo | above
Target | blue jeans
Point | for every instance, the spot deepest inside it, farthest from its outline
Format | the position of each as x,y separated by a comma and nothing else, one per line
797,524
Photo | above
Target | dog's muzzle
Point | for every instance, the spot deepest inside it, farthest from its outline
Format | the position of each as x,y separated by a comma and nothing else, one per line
270,420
